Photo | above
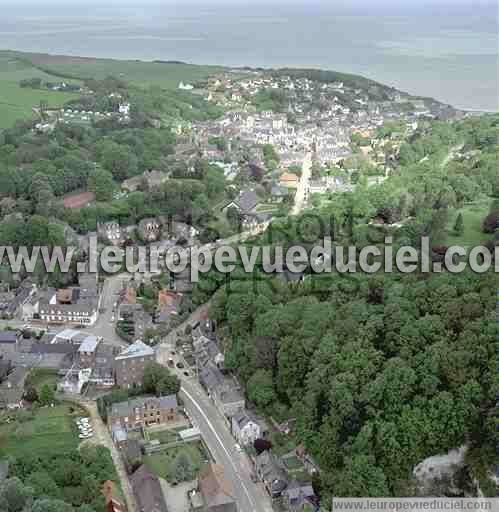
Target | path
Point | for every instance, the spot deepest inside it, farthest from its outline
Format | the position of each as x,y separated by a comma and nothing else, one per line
303,185
103,437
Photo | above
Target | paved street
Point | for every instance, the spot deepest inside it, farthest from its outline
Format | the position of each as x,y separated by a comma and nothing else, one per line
251,497
106,320
302,189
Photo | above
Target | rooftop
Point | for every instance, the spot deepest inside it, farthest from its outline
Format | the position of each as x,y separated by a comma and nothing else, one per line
89,344
137,349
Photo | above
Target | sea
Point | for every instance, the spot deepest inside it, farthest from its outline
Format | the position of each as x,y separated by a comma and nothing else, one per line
446,49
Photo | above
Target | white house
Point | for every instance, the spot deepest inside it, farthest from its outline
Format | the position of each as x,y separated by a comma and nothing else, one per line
245,429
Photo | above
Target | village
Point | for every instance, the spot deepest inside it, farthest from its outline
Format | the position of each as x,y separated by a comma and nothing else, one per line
282,145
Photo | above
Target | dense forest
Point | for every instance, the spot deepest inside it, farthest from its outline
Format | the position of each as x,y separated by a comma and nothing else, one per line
380,371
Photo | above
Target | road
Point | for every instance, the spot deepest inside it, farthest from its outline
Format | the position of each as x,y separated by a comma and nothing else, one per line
250,496
301,195
106,321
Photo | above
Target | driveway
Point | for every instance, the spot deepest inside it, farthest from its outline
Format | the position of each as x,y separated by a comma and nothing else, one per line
103,437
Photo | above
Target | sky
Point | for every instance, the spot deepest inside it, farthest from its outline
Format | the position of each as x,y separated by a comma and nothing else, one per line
396,4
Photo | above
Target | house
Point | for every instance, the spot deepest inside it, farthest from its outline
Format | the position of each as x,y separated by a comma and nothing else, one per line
299,497
143,412
111,232
87,351
289,180
8,341
74,305
12,389
138,317
131,363
278,193
246,202
214,493
113,504
245,428
224,392
256,223
168,306
149,229
206,350
272,473
147,490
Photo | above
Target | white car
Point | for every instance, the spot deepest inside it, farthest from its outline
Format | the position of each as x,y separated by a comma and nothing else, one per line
238,448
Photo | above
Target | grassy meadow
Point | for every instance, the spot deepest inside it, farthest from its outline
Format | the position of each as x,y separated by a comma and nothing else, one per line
49,429
141,73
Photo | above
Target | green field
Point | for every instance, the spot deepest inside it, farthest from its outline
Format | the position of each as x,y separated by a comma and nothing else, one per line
50,430
166,75
39,377
17,103
161,463
473,215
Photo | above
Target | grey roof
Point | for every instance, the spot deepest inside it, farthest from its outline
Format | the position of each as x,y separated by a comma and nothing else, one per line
147,489
127,408
119,434
8,337
211,377
272,471
279,191
52,348
89,344
297,490
247,200
137,349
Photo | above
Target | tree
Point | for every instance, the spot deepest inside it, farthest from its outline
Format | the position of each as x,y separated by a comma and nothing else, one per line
261,388
159,380
14,495
491,223
101,183
49,505
47,395
262,445
31,394
459,225
183,470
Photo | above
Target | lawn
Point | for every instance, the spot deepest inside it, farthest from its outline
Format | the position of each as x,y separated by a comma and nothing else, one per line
50,429
473,215
39,377
164,436
166,75
161,463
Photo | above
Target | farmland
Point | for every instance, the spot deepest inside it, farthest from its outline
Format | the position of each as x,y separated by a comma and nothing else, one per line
17,102
141,73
